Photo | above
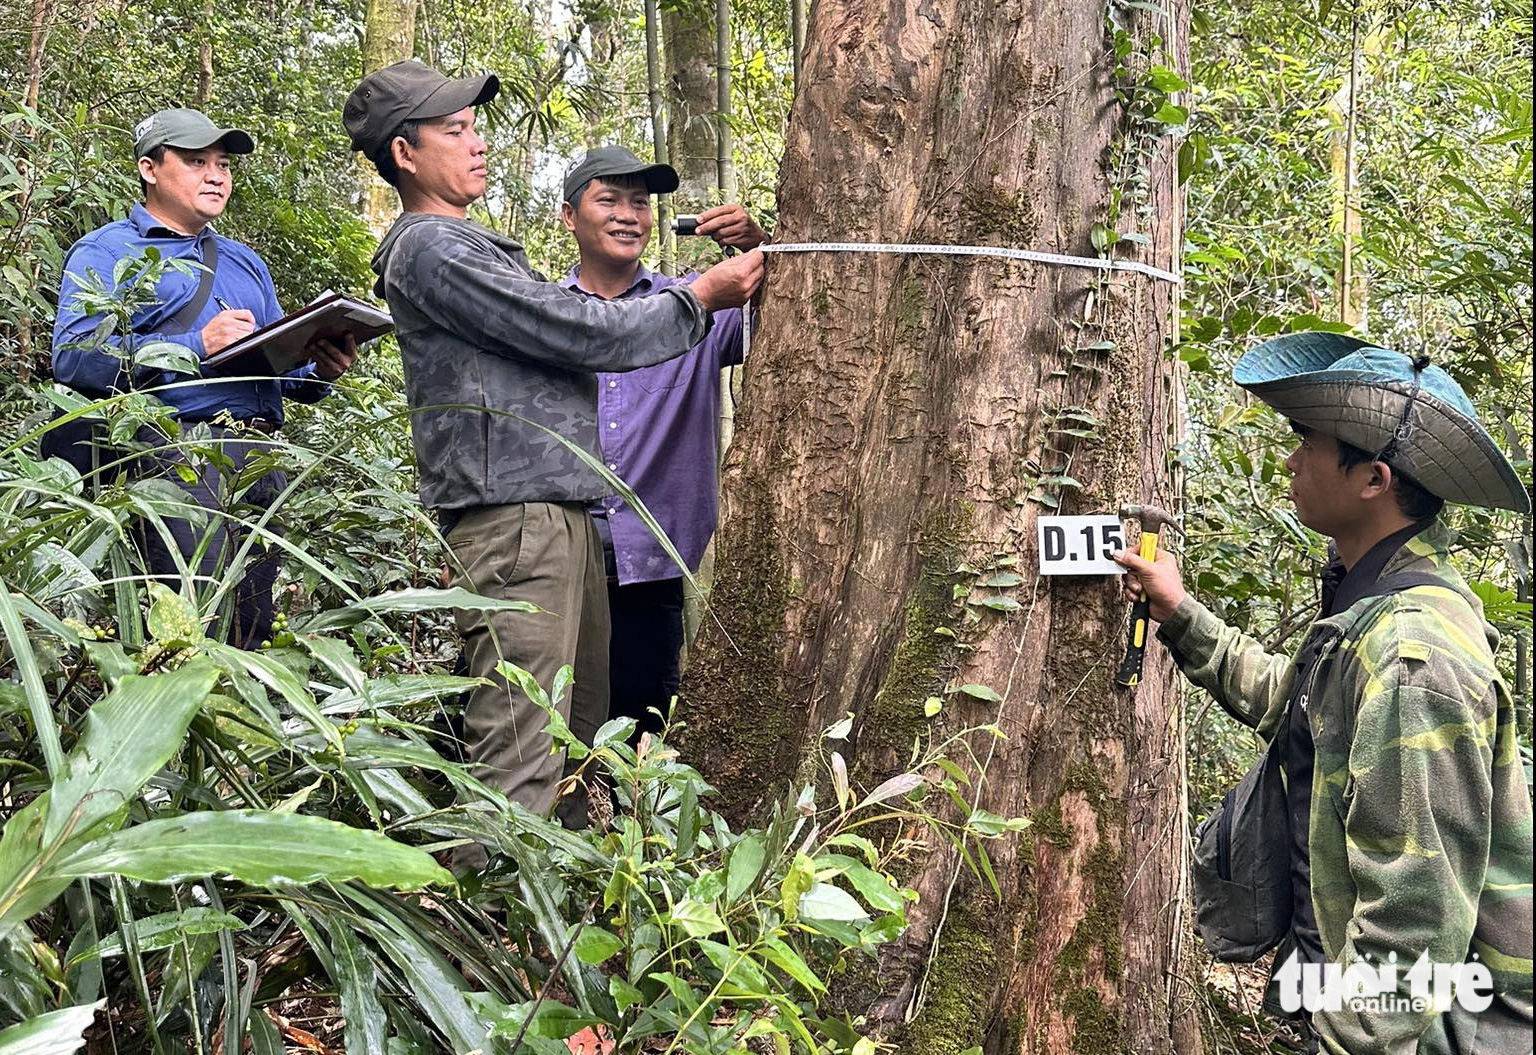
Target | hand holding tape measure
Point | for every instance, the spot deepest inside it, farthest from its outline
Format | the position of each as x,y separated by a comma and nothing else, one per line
1086,545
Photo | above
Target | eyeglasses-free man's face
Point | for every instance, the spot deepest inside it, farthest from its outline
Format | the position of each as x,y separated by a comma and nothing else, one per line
449,165
612,223
188,188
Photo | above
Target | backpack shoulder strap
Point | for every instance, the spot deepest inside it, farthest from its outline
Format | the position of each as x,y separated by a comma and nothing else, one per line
186,317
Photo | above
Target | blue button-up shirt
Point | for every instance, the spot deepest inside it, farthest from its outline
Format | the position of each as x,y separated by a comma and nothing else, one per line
241,280
659,428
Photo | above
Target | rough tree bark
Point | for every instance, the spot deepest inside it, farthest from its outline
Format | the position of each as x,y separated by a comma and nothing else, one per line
389,36
691,104
689,34
907,421
204,90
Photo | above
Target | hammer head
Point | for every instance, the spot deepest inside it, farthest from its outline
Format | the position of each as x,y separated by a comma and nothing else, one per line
1152,518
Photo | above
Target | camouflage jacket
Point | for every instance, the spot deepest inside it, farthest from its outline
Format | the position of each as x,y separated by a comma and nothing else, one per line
479,328
1420,832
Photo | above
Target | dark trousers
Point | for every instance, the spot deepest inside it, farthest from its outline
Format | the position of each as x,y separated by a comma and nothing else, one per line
647,637
225,493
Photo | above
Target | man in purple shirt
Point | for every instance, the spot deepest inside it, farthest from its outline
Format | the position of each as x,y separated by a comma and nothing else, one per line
659,425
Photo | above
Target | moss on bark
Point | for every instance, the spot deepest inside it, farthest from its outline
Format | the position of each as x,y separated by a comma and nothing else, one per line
961,979
923,657
743,675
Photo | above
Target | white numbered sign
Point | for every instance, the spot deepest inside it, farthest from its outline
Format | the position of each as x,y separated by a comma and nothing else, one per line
1080,545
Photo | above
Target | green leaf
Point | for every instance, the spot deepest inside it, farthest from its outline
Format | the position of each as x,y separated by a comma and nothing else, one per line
614,731
265,1039
624,995
434,983
824,901
53,1033
367,1027
1002,580
162,931
876,890
980,692
990,824
128,736
932,706
1001,604
166,355
417,600
337,657
1166,80
740,975
800,878
595,945
743,868
254,846
269,672
697,918
789,961
1171,114
171,619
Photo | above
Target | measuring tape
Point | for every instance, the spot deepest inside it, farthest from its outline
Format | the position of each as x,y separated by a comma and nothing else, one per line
1033,256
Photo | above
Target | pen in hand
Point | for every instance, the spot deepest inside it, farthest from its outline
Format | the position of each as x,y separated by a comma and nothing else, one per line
230,325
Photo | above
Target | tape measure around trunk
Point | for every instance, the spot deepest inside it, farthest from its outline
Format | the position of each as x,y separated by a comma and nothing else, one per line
1032,255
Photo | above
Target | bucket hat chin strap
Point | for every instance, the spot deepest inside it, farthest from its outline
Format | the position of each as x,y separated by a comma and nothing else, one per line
1405,424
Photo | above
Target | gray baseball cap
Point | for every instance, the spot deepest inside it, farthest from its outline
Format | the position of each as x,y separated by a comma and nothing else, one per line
616,161
408,91
187,129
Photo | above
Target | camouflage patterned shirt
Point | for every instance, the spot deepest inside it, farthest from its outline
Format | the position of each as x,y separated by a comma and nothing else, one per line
480,329
1420,833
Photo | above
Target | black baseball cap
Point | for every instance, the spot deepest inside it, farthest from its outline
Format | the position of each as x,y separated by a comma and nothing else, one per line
187,130
408,91
616,161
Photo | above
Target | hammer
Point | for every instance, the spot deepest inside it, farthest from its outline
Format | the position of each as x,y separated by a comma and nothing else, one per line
1154,519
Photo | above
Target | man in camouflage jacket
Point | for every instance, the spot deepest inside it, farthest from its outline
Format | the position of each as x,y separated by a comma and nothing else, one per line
500,374
1410,811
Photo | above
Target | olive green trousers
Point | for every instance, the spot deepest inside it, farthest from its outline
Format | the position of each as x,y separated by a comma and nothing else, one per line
548,553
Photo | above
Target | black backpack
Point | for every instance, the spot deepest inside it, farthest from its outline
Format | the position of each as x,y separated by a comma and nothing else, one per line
1241,868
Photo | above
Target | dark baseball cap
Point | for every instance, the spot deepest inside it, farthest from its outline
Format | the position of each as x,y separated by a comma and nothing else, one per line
187,130
616,161
408,91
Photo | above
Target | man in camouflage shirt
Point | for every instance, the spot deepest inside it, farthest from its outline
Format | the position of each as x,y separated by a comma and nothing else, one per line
500,371
1410,811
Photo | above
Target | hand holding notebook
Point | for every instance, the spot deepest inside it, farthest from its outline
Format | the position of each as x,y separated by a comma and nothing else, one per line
288,343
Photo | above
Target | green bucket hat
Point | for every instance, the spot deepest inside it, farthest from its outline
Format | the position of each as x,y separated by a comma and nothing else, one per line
1407,412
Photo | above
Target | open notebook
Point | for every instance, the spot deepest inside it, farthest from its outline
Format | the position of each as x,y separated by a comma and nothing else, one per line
281,347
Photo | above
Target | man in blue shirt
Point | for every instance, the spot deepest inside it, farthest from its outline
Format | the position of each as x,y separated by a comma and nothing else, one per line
658,425
184,168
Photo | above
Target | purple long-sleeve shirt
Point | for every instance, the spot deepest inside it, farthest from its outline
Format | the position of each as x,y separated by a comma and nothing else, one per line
659,430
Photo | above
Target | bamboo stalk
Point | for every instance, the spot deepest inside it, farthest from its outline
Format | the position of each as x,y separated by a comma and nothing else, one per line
658,127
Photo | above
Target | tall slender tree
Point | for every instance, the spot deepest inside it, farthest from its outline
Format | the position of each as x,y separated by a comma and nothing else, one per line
909,418
389,36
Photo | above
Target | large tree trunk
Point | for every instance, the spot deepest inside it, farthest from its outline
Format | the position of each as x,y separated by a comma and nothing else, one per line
389,36
906,422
